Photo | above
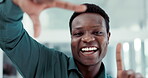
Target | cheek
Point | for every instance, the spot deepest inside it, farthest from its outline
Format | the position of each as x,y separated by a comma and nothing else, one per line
104,48
75,48
74,44
103,43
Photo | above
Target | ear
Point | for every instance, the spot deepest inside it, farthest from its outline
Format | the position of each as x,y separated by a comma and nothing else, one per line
108,36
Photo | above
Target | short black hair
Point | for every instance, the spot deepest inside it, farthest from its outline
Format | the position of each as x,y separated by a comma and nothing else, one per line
91,8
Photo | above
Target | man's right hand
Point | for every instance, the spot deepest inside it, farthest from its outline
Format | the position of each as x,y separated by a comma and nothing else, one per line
121,73
34,7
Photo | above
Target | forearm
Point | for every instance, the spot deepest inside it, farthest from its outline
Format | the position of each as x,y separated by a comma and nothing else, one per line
10,22
10,12
15,41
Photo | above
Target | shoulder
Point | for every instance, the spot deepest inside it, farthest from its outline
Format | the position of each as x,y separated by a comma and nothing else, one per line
52,53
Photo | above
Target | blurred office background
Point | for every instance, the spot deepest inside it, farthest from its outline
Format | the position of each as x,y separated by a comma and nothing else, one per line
128,22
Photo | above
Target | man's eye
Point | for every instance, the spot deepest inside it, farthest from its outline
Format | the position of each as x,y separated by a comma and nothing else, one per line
78,34
98,33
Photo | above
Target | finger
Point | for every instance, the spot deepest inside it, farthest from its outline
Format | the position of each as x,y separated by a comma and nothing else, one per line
135,75
70,6
43,1
119,58
138,75
131,74
124,74
36,25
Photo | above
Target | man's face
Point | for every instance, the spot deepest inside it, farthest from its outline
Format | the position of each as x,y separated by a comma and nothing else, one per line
89,39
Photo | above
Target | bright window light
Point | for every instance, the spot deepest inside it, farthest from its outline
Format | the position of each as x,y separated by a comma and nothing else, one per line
137,44
126,46
145,47
126,55
137,47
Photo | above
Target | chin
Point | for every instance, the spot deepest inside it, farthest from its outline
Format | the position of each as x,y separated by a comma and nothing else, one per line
90,62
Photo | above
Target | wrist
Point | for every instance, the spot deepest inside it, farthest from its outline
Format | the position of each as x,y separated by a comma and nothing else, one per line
17,2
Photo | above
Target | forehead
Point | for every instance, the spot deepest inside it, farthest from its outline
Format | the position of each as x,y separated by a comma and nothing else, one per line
88,19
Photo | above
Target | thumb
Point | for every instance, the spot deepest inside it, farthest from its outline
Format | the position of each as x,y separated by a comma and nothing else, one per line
36,24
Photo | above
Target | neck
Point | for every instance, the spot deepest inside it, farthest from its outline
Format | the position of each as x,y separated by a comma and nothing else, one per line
89,71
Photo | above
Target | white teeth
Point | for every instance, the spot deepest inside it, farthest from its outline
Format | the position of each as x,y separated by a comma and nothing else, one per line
89,49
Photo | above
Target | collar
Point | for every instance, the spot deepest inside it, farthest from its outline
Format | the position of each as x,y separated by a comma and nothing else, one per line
72,66
102,72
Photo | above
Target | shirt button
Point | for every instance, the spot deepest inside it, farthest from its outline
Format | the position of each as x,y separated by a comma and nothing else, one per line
1,1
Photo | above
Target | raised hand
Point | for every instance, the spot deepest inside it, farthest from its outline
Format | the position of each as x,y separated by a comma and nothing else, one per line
121,73
34,7
43,1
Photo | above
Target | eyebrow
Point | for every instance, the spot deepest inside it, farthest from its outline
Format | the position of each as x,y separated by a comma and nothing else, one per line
94,26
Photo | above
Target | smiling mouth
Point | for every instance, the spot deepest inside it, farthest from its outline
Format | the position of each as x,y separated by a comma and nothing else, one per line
88,50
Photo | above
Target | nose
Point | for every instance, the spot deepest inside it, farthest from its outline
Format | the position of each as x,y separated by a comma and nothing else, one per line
87,38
